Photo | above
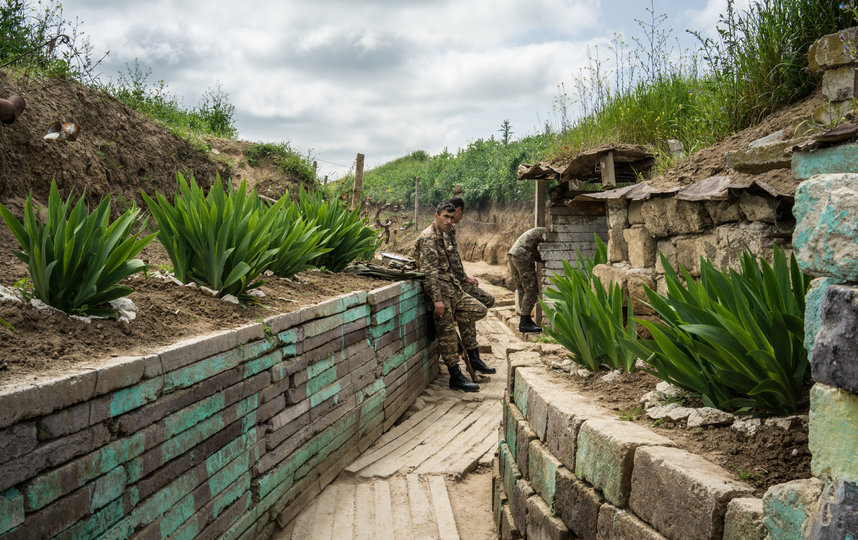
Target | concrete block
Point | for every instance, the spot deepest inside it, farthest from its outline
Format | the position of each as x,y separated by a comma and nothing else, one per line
542,524
835,354
616,524
760,159
838,512
744,519
578,504
195,349
115,373
825,234
28,400
833,433
542,471
605,455
518,503
667,216
680,494
641,246
788,508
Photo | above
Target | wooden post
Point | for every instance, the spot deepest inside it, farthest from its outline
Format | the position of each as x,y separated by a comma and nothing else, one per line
416,202
315,170
539,221
358,182
606,163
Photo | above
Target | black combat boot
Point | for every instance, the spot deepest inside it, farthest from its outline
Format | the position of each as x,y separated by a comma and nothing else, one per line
478,364
459,382
527,325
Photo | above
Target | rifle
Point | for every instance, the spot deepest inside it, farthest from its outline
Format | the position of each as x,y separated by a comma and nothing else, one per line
467,360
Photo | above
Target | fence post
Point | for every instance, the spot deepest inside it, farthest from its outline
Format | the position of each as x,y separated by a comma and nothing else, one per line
416,202
358,182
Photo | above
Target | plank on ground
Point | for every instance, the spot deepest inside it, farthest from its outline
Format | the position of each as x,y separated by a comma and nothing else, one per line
383,510
421,510
443,510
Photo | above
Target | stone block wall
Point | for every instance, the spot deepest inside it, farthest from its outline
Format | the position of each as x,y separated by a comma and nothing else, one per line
567,468
224,436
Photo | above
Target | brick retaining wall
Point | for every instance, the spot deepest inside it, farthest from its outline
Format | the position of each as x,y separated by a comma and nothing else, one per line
228,435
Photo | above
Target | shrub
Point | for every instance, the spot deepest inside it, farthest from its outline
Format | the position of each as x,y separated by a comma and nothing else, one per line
734,338
587,318
298,243
76,259
348,236
222,240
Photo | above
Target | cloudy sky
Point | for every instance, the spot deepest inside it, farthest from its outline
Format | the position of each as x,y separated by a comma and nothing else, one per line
380,77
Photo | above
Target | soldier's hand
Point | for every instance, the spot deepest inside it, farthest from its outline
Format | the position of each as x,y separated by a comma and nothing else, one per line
439,308
472,280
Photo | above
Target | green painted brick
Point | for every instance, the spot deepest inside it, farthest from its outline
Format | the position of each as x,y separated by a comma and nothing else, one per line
96,523
255,349
229,474
320,326
789,508
228,453
232,493
11,509
262,363
520,393
322,380
288,337
542,470
176,515
325,393
320,366
833,433
135,396
406,317
107,488
379,330
376,386
202,370
48,487
196,413
409,303
384,315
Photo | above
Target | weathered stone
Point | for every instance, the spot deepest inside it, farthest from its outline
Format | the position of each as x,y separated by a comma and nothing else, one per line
833,433
605,455
758,207
616,524
689,250
726,211
760,159
11,509
732,240
789,507
577,504
835,354
680,494
838,84
666,251
541,525
618,213
17,440
518,503
708,416
838,159
744,519
838,515
641,247
542,471
636,213
618,249
832,50
813,311
748,426
507,528
678,413
660,411
826,233
28,400
667,216
611,274
566,412
523,437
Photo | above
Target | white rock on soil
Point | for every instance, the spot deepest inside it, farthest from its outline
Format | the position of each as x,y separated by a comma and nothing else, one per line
581,372
783,422
669,391
208,291
172,278
708,416
8,295
747,426
653,398
230,299
679,413
612,376
256,292
659,412
126,310
564,365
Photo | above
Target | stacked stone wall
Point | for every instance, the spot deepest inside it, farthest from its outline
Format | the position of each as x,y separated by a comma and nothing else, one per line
225,436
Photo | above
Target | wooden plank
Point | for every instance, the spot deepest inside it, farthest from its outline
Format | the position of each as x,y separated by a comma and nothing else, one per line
401,434
402,526
606,163
364,516
304,523
469,461
344,517
488,417
323,519
422,446
438,440
383,511
421,510
443,510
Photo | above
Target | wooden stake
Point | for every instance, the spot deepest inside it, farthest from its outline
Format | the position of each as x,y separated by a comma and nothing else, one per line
416,202
358,182
606,163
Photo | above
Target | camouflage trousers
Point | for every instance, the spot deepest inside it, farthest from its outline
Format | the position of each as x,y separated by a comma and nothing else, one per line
468,330
523,272
462,309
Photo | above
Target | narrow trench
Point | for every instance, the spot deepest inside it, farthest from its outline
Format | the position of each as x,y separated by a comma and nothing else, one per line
429,476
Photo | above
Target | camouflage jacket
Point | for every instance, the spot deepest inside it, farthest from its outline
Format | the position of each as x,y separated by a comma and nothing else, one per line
432,251
455,258
527,245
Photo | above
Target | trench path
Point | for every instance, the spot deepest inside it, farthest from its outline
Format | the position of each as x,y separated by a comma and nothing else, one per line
398,488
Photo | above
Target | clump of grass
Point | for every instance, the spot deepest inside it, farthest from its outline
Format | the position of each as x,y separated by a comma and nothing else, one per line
287,159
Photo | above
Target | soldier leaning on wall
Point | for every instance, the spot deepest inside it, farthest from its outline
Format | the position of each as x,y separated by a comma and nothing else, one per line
522,259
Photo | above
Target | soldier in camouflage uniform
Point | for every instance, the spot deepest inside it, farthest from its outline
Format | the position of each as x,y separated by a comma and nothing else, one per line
451,304
471,286
521,259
